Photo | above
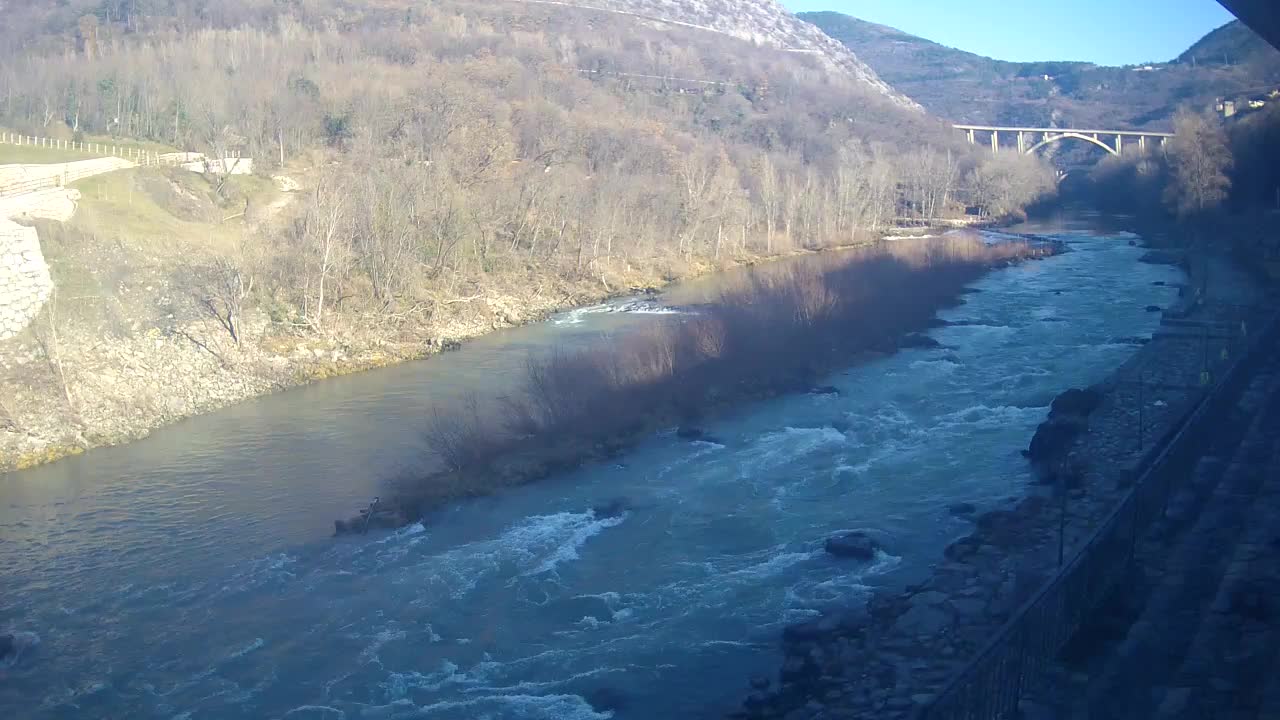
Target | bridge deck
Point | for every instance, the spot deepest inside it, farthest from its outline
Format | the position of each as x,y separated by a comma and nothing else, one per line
1126,133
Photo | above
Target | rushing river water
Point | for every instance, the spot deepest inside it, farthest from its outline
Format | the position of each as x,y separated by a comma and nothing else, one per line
191,575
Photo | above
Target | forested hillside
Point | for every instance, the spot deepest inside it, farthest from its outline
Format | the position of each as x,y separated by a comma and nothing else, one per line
463,166
969,88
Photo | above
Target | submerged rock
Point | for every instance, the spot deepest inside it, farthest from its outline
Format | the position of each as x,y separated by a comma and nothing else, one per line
917,340
690,433
963,508
1154,309
606,699
611,508
693,434
8,646
856,545
384,518
825,390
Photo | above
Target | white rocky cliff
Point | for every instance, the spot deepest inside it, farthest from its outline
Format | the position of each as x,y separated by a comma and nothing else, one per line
765,22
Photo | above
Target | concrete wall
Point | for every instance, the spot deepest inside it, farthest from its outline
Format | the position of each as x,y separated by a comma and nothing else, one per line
25,283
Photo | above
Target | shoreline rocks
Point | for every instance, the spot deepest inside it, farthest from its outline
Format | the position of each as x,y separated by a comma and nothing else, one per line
1068,418
855,545
918,341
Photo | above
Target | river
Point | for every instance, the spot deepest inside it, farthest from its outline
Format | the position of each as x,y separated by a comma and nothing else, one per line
191,574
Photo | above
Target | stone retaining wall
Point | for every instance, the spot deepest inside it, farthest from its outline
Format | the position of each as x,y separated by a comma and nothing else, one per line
25,283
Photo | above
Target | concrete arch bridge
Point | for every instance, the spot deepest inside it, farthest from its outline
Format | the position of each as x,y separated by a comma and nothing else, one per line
1030,139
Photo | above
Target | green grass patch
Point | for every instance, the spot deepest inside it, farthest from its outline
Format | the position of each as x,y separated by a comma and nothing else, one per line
120,205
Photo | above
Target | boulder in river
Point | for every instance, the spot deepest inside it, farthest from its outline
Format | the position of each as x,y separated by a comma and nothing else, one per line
856,545
693,434
1154,308
1076,402
690,433
606,699
611,508
1067,419
1053,438
918,340
1161,257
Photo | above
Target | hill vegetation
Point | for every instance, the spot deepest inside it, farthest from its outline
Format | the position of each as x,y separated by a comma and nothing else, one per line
463,166
968,88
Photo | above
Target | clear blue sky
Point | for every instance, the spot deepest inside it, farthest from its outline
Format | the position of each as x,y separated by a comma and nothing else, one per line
1107,32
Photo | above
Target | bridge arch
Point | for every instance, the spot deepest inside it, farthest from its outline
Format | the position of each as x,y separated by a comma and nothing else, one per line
1074,136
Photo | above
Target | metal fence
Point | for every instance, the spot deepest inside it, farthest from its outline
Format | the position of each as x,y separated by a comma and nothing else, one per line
1021,652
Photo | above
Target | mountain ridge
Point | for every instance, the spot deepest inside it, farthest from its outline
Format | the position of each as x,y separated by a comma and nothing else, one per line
966,87
764,22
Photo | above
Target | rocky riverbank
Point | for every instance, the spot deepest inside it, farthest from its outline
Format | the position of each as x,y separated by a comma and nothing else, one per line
65,393
893,656
68,386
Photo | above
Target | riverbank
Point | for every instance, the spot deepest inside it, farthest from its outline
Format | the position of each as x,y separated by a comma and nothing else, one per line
893,656
776,330
90,386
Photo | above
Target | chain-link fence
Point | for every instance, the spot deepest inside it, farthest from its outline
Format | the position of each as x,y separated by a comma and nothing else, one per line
1204,367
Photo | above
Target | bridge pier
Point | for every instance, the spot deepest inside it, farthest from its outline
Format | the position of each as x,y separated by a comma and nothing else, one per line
995,141
1119,145
971,140
1022,143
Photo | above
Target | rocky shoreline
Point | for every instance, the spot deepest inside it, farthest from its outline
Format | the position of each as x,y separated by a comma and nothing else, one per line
892,656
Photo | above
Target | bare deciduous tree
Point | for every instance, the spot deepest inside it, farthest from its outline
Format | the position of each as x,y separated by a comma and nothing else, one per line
1198,161
219,290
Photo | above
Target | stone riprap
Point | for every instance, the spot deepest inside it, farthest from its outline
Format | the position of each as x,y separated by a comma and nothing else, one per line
25,283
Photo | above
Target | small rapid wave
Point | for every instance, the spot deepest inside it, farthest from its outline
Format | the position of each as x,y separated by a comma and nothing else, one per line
577,316
517,707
